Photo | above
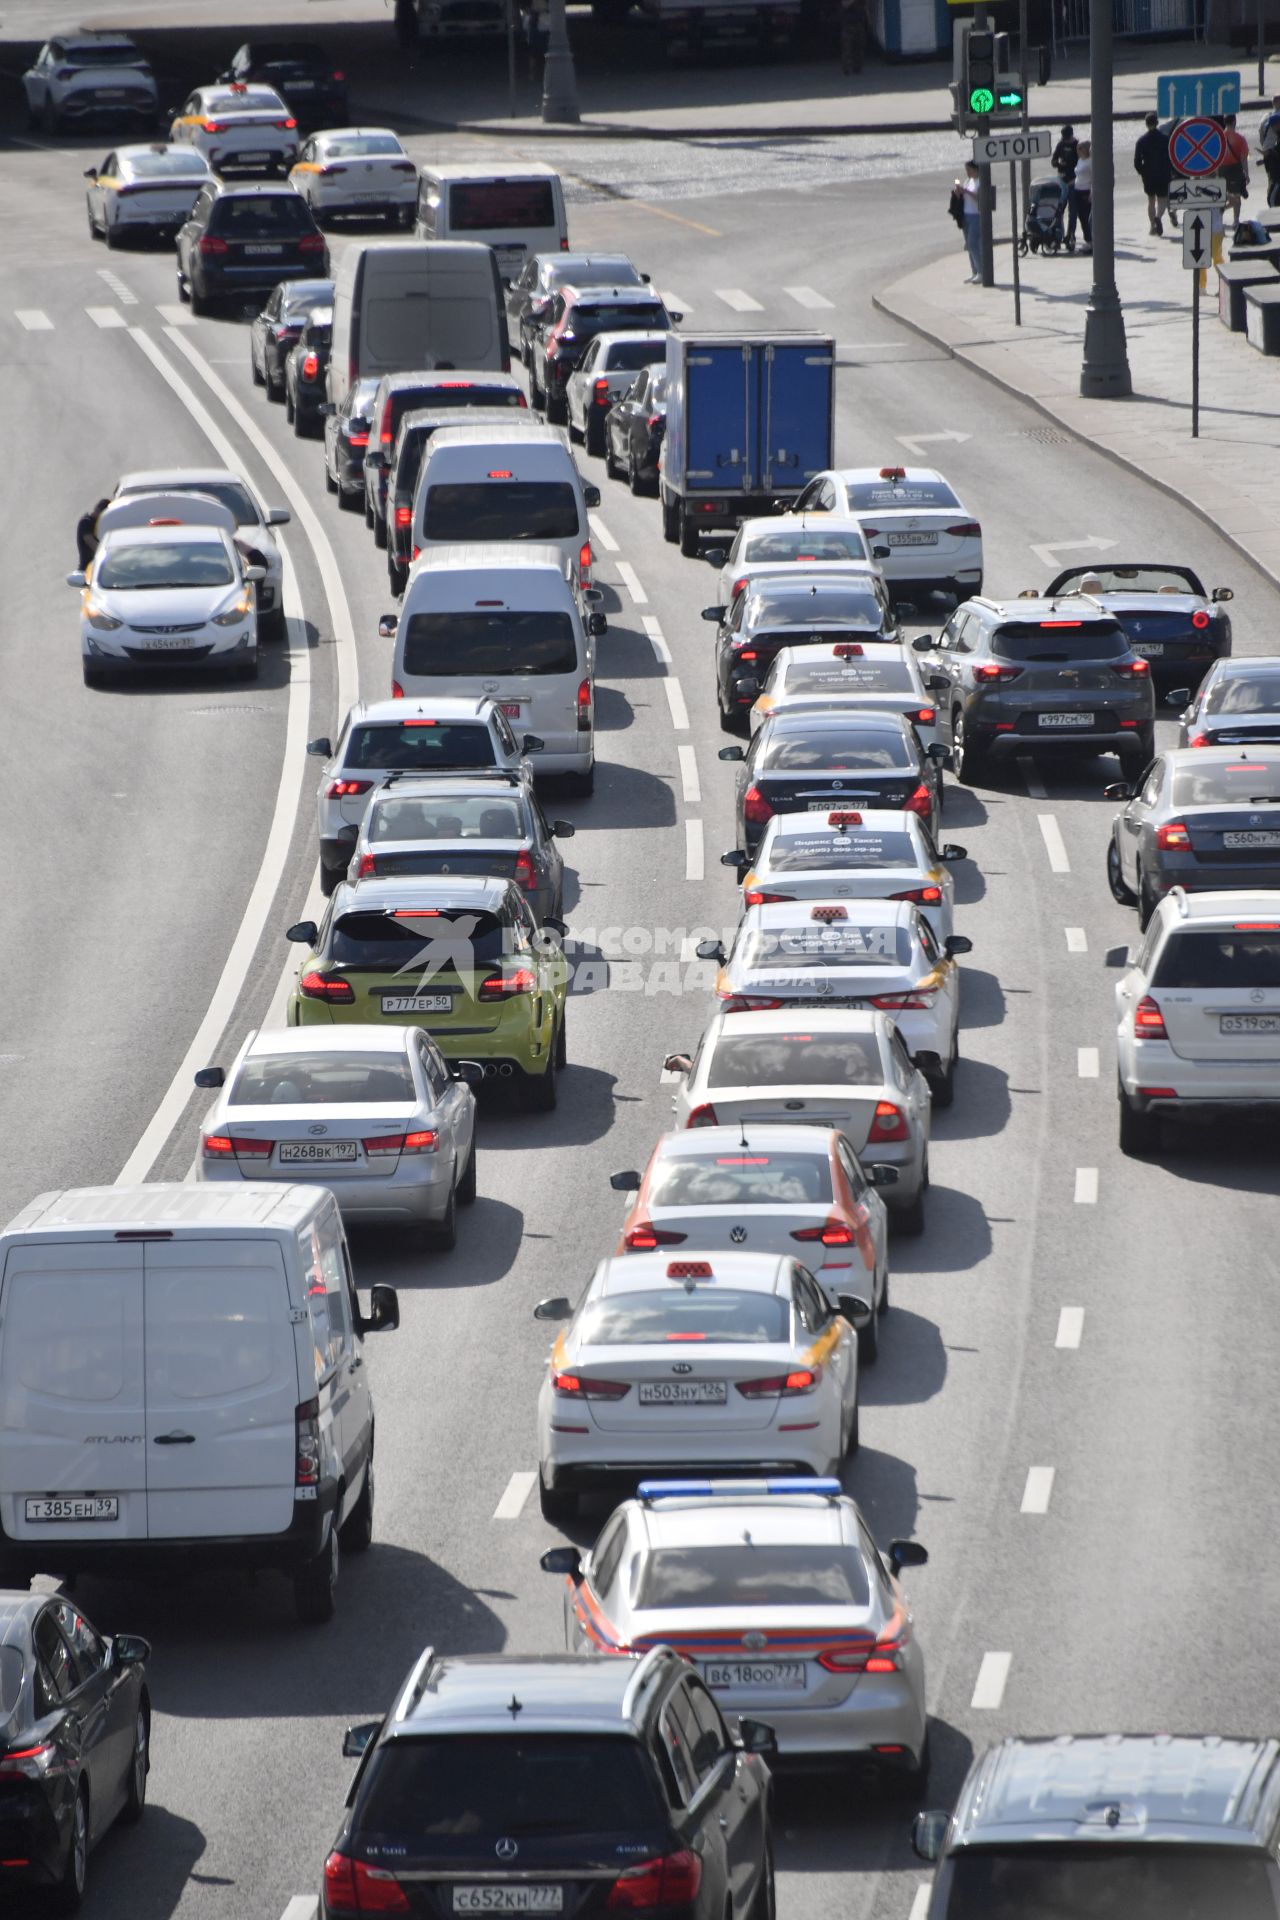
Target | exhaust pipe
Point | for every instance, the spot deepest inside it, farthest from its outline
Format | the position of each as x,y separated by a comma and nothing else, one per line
506,1070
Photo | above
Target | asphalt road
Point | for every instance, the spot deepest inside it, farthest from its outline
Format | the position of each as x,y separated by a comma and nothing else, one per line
1110,1321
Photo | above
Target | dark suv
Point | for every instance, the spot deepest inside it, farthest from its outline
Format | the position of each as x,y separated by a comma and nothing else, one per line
1034,673
243,240
557,1784
301,73
400,393
399,472
1115,1826
572,319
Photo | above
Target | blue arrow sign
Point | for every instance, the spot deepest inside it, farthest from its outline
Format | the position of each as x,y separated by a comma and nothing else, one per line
1178,94
1197,147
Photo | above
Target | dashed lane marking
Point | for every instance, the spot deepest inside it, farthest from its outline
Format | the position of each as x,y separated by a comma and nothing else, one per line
920,1905
689,776
693,849
1031,779
33,319
1086,1186
675,700
1087,1062
1070,1327
604,536
657,639
518,1489
674,302
988,1691
1053,842
1038,1490
1077,940
125,295
628,577
176,316
807,297
106,316
303,1906
740,302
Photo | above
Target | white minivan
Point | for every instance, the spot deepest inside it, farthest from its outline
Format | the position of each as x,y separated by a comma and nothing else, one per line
399,304
516,212
506,620
182,1384
481,484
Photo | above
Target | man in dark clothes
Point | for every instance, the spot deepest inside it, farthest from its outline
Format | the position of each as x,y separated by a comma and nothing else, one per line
1154,168
87,534
1065,155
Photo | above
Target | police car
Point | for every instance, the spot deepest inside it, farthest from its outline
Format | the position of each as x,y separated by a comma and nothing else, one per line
238,125
851,855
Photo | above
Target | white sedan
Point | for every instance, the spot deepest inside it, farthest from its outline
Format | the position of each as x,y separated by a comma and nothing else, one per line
143,190
167,595
924,538
788,540
868,855
254,524
237,125
847,675
362,172
739,1360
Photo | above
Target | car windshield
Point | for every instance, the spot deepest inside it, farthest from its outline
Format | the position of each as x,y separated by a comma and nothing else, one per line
864,495
303,295
1131,580
819,945
417,943
804,544
424,744
803,753
746,1178
235,497
628,356
796,1060
260,215
822,606
502,510
166,166
1221,957
169,563
742,1575
102,53
321,1079
856,847
1092,1881
1245,693
475,205
1053,640
868,675
470,1787
350,146
1232,783
705,1313
456,816
503,642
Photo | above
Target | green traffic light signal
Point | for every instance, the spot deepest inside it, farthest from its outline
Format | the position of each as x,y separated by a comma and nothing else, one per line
1011,97
981,100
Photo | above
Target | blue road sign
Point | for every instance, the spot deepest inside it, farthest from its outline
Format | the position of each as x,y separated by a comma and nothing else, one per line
1178,94
1197,147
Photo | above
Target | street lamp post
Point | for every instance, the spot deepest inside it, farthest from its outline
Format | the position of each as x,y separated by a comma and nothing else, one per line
559,82
1104,374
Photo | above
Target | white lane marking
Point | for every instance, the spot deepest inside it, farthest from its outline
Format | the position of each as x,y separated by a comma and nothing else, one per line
33,320
674,302
1053,841
603,535
176,316
689,775
1070,1327
106,316
1086,1186
1047,556
1039,1487
657,639
920,1905
123,294
992,1675
1077,940
303,1906
693,849
675,700
740,302
1087,1062
627,575
511,1505
806,297
1034,784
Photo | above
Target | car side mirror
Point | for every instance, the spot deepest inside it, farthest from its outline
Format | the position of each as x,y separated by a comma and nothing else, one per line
321,747
303,932
950,853
713,613
927,1061
907,1553
91,173
591,495
957,943
254,574
210,1077
628,1182
677,1063
597,623
715,556
357,1740
278,516
1222,593
929,1834
327,409
756,1737
1180,697
1118,957
532,743
555,1308
469,1071
856,1310
738,861
939,754
559,927
674,317
731,753
709,950
76,579
563,829
880,553
566,1560
880,1174
937,683
384,1311
924,643
1118,790
130,1650
387,626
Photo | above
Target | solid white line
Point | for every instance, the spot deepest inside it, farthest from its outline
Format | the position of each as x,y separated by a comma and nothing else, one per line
1034,784
1054,843
1035,1495
693,849
920,1905
992,1675
123,294
627,575
806,297
175,315
603,535
657,638
1070,1327
1087,1062
1086,1186
675,700
511,1505
689,775
740,302
1077,940
33,320
303,1906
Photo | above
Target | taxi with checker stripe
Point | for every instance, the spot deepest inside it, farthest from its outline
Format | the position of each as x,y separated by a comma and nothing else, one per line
800,540
357,171
848,675
235,124
143,191
741,1361
874,954
849,855
776,1591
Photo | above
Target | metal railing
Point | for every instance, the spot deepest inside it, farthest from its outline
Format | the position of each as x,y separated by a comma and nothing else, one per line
1130,17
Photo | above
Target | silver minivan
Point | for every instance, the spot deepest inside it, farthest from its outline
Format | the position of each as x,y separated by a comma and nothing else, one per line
479,484
516,212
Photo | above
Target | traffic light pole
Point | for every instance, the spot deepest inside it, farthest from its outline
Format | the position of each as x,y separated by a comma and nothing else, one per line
985,196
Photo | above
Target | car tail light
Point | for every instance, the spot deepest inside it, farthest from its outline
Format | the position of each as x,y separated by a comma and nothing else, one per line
920,896
242,1148
1130,669
870,533
310,365
397,691
847,650
753,897
786,1385
324,986
306,1444
893,473
404,516
576,1386
923,716
584,706
916,1001
745,653
851,1658
989,673
425,1142
644,1236
844,819
285,126
526,874
368,868
351,1887
745,1002
755,807
887,1123
337,74
1173,837
654,421
346,789
1199,740
832,1233
921,802
214,126
212,247
584,563
600,390
965,530
357,439
403,166
327,173
703,1116
385,433
1148,1021
669,1880
738,585
33,1763
1200,620
311,243
505,986
283,331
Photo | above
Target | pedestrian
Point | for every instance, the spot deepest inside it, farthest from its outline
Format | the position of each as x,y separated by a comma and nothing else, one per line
87,534
1080,200
1269,147
853,35
1065,154
1154,168
1235,169
972,222
535,35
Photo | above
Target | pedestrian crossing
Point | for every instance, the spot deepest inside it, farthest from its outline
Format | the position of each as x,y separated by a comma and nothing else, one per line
738,300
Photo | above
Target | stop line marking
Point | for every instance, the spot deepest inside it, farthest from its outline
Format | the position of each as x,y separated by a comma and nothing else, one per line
518,1489
1070,1327
988,1691
740,302
1053,841
33,319
1037,1492
807,297
106,316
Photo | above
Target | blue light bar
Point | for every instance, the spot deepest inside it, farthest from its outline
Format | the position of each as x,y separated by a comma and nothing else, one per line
734,1489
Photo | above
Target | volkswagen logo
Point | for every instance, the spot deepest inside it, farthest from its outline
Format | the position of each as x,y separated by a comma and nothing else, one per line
506,1849
682,1366
754,1641
737,1235
490,686
317,1129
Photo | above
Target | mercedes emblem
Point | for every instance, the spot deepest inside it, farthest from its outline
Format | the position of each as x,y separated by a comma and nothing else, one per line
737,1235
490,686
1257,996
506,1849
317,1129
838,785
754,1641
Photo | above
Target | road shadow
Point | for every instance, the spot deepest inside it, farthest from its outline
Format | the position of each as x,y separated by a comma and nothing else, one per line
983,1106
956,1238
970,883
489,1236
1214,1151
625,654
140,1873
982,1000
584,1113
912,1366
614,712
629,797
829,1823
884,1486
961,807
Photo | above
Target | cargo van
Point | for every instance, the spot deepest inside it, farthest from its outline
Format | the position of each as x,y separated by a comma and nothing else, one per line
478,484
515,213
415,303
507,620
182,1385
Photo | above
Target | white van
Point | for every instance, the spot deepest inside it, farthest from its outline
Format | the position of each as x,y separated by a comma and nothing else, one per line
182,1383
515,213
480,484
505,620
413,303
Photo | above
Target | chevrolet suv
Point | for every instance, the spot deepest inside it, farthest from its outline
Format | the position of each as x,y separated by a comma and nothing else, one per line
554,1784
1034,673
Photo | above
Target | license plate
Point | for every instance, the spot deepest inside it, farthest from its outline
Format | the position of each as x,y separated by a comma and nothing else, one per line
111,93
366,196
260,250
295,1151
1150,649
164,646
508,1899
301,86
1249,1023
258,156
912,539
1066,719
1260,839
511,708
96,1506
417,1003
754,1673
683,1393
839,800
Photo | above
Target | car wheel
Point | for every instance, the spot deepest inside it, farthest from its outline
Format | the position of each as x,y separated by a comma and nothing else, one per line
443,1233
110,235
909,1220
853,1435
397,577
610,464
247,669
199,304
288,405
275,388
557,1506
1147,901
542,1090
467,1184
330,484
574,433
943,1088
69,1893
357,1529
557,408
50,118
349,502
689,537
183,294
966,758
92,677
884,1292
331,878
670,520
273,626
634,481
593,436
1120,888
259,379
315,1584
583,784
1139,1132
95,232
379,531
562,1041
869,1341
537,398
368,512
135,1797
731,722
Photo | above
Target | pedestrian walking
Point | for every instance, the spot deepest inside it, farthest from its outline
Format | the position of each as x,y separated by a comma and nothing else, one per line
1154,168
1269,147
87,534
1065,155
1080,200
853,35
968,188
1235,170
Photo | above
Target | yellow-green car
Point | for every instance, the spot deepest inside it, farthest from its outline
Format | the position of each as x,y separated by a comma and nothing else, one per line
462,957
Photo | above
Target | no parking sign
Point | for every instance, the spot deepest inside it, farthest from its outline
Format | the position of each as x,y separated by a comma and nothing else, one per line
1197,147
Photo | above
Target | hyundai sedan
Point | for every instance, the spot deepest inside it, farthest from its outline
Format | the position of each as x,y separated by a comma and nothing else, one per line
167,596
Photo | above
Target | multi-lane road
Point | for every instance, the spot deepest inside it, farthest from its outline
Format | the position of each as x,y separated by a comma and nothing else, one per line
1074,1408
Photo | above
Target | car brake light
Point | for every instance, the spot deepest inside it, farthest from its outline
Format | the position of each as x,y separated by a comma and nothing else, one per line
670,1880
505,986
1148,1021
753,897
310,365
1256,926
357,439
1200,620
745,1002
424,1142
323,986
923,716
887,1123
242,1148
703,1116
526,874
847,650
832,1233
737,586
601,392
644,1236
306,1444
346,789
844,819
351,1887
404,516
584,563
893,473
785,1385
965,530
574,1386
1130,668
755,807
584,706
1173,838
847,1659
327,173
920,896
33,1763
214,126
385,432
1061,623
988,673
212,246
337,74
397,691
914,1002
1199,740
654,421
285,126
921,802
403,166
368,868
311,243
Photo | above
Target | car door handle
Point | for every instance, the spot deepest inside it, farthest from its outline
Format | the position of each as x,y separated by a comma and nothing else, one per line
724,1820
175,1439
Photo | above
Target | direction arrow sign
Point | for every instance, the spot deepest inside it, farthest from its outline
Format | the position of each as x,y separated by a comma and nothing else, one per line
1197,240
1211,192
1197,147
1183,93
990,147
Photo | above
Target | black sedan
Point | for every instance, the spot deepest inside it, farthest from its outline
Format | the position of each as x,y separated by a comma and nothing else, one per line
304,374
75,1741
814,762
1201,820
273,333
805,611
301,73
346,441
1238,701
633,430
1169,618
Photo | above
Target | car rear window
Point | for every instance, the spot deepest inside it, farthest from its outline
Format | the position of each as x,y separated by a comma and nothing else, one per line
628,356
102,53
175,564
1132,580
868,494
1245,693
1108,1882
289,53
754,1576
474,1786
1220,957
818,944
746,1178
414,940
805,545
873,674
167,166
503,641
707,1313
587,319
303,295
796,1059
1254,779
502,510
270,214
234,497
802,753
406,745
252,99
321,1079
604,271
475,205
352,145
814,852
1054,640
451,817
847,606
445,397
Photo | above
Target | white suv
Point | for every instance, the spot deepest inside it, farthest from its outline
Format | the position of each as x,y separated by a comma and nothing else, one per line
82,77
1198,1012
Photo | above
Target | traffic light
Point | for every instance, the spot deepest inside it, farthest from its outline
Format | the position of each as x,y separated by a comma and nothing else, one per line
978,81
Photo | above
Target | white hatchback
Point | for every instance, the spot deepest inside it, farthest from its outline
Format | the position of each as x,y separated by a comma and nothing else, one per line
923,537
362,172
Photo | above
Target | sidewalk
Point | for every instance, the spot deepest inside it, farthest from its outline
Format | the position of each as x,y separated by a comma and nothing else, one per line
1216,475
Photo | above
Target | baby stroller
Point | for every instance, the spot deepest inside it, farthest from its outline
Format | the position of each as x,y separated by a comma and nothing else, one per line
1042,227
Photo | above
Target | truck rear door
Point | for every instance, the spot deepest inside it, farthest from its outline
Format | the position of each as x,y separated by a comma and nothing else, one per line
721,401
796,388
